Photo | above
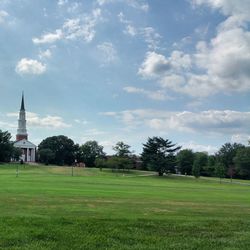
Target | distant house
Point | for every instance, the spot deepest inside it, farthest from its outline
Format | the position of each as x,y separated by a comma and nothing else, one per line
27,147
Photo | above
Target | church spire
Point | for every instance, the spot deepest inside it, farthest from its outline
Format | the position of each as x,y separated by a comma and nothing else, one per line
21,130
22,103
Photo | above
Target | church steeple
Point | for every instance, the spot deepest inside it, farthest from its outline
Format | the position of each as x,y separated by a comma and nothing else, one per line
22,131
22,103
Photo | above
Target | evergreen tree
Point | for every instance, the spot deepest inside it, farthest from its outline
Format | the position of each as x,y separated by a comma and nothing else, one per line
158,155
6,147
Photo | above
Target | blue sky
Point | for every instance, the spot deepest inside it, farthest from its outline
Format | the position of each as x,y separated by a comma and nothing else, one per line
112,70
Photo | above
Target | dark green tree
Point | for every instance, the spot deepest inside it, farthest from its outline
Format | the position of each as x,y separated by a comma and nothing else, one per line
62,147
209,169
185,160
158,155
220,170
196,169
46,156
226,155
202,157
119,163
242,162
122,149
101,163
16,153
123,157
6,146
200,162
89,152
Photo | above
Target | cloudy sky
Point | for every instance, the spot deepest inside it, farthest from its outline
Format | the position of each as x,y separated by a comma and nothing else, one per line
111,70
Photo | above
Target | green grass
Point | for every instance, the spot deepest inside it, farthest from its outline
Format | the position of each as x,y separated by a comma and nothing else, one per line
47,208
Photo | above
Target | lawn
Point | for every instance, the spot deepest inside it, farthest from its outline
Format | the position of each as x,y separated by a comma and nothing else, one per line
47,208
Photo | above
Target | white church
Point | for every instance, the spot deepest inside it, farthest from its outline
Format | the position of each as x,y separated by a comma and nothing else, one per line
28,148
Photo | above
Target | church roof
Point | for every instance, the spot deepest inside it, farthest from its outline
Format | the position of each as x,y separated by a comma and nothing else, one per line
22,103
24,144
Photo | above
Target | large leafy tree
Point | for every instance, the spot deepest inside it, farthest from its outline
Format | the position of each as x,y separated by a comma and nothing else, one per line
200,163
242,162
185,160
62,150
158,155
226,155
201,158
209,169
89,152
46,155
122,149
6,147
123,157
196,169
117,163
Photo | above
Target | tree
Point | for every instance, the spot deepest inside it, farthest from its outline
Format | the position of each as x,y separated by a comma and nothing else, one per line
89,152
226,155
196,169
116,162
101,163
46,155
62,147
123,157
16,153
209,169
158,155
122,149
220,170
6,147
200,162
185,160
242,162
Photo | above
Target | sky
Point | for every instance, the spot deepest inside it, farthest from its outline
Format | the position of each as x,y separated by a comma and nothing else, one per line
126,70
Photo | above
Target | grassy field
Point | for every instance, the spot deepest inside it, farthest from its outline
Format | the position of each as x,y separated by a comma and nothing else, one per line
47,208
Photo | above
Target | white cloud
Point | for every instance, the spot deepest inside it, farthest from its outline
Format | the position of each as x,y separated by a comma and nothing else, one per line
74,7
34,120
82,28
152,38
158,66
158,95
218,66
30,66
210,122
49,37
7,125
240,138
228,7
196,147
71,7
72,29
122,18
148,34
3,16
130,30
137,4
154,65
108,53
45,54
62,2
82,122
225,62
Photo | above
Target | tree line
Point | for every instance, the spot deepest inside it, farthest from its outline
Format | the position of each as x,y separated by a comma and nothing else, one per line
232,160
